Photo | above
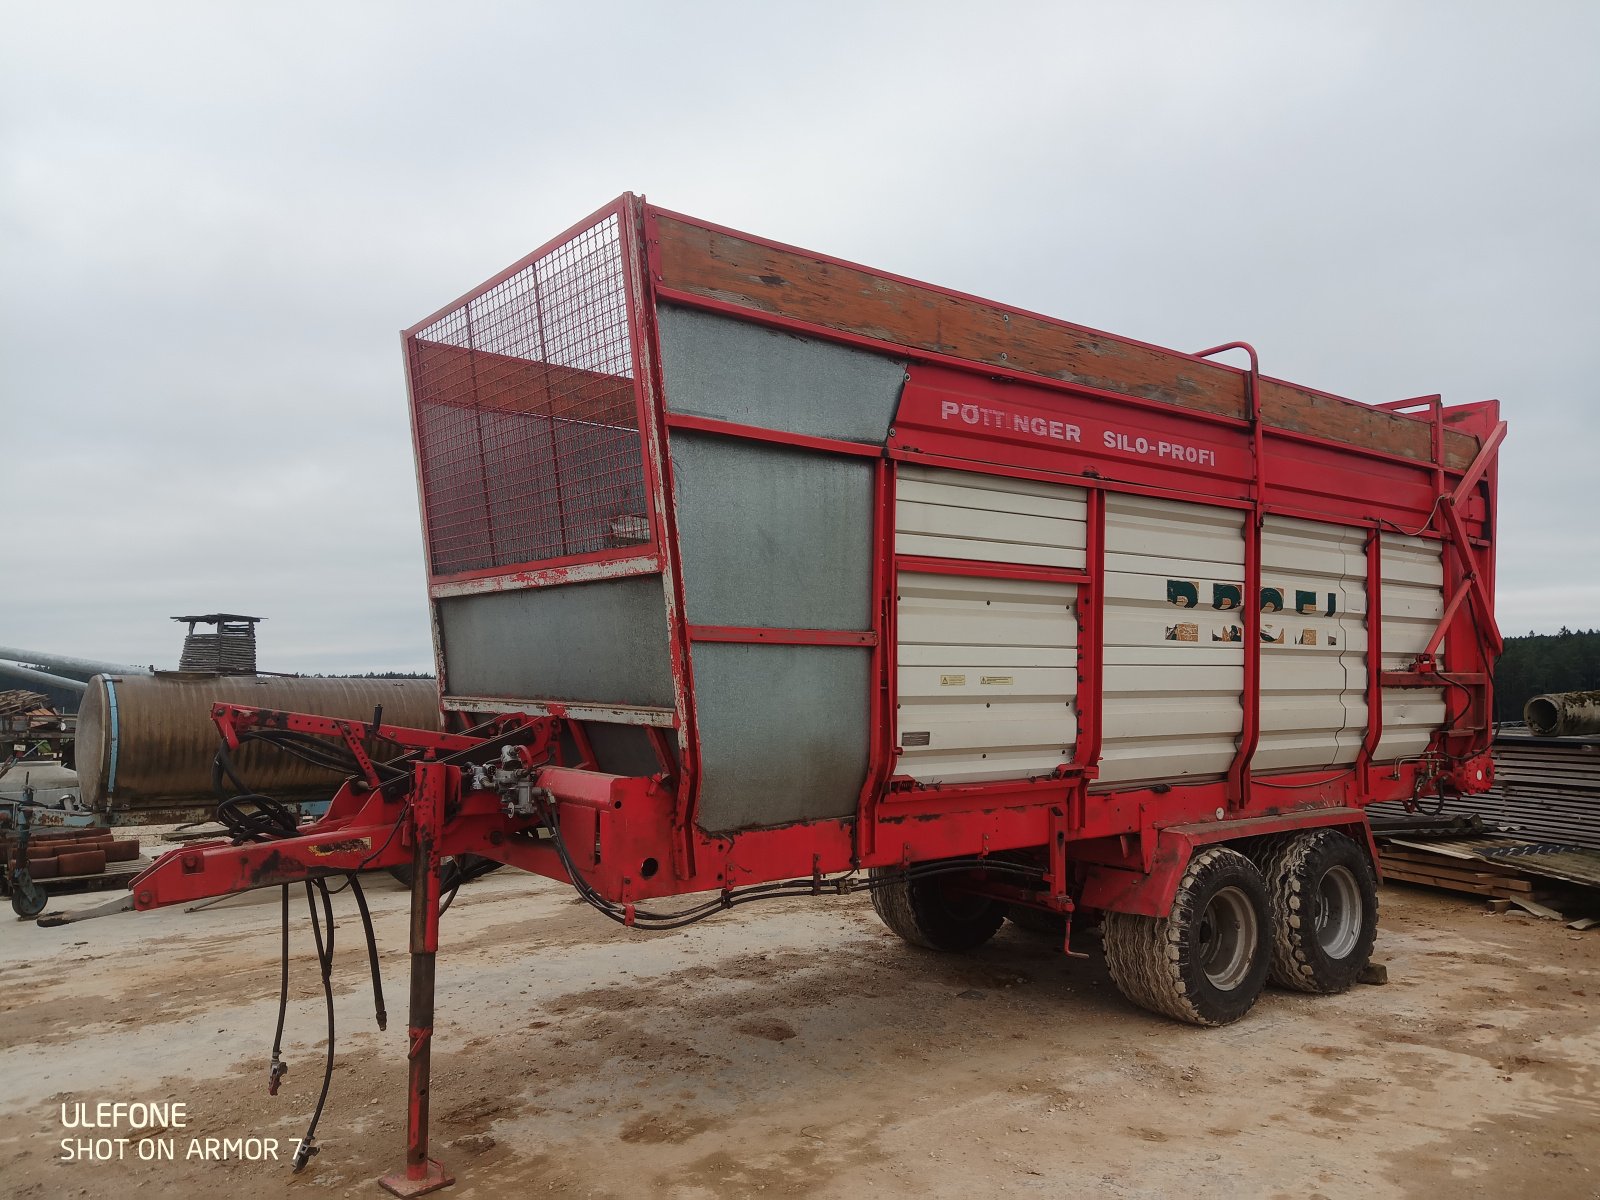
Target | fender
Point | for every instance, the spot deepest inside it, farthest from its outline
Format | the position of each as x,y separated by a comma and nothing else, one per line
1150,893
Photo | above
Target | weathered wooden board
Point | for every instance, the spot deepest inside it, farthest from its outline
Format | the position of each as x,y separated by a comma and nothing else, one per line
1479,866
1502,883
717,265
1453,885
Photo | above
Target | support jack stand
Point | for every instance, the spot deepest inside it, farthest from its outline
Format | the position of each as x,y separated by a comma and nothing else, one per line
435,787
400,1183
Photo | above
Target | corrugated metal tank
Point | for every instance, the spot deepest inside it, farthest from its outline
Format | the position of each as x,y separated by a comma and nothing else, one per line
147,741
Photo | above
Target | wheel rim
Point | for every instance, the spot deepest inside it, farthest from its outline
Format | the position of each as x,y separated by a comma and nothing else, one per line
1228,935
1337,916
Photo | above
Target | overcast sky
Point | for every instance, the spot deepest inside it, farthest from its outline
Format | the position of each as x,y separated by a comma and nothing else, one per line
214,219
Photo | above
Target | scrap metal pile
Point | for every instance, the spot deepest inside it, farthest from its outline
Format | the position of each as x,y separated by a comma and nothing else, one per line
1550,879
28,719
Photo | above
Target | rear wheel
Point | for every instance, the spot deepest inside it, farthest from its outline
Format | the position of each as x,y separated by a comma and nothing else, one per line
1324,910
934,913
27,897
1206,961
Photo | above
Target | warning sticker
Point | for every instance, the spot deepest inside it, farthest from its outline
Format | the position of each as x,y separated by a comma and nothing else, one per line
998,680
348,846
952,681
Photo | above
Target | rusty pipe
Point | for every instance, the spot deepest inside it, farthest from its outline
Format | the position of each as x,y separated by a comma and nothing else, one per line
80,669
1563,714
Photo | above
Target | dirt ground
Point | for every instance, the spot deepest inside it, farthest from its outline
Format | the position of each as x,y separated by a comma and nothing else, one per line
799,1049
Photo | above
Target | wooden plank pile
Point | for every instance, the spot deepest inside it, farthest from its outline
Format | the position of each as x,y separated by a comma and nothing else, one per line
1420,862
1546,879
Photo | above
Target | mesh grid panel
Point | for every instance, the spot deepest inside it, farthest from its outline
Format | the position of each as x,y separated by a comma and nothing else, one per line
527,429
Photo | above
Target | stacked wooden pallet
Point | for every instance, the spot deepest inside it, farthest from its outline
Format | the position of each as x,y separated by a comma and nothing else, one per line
1416,862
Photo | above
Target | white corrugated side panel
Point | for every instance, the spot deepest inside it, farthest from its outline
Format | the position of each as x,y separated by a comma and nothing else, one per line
1313,665
988,672
1412,602
1172,677
987,518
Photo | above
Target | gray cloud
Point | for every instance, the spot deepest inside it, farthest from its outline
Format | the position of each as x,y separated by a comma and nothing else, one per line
213,220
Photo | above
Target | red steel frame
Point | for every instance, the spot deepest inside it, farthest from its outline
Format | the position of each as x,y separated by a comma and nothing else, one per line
1121,849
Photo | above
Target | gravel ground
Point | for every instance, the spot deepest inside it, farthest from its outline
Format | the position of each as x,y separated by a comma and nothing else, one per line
798,1049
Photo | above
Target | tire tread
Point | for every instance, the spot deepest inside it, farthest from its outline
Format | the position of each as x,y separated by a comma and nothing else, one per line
1285,868
913,910
1145,954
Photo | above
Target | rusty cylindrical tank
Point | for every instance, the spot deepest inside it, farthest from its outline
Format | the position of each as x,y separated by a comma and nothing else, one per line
1563,714
146,742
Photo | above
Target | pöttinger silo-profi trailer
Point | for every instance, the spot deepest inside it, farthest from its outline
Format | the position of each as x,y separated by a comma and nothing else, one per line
754,572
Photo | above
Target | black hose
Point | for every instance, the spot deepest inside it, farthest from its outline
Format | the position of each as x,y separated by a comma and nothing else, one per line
450,896
733,898
222,765
252,817
308,1146
393,829
278,1069
320,753
379,1010
248,816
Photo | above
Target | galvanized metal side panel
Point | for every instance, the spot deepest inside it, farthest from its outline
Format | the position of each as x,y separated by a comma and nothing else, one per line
773,535
988,675
988,518
622,749
1173,658
1314,643
1413,603
783,732
738,371
603,642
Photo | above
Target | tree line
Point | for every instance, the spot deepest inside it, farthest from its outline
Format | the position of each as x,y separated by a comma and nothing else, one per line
1568,661
375,675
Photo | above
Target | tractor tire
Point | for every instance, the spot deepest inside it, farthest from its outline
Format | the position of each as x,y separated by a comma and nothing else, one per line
934,915
1206,961
1324,911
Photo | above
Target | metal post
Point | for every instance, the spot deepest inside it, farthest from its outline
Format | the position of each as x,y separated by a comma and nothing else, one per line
432,787
1239,777
1374,733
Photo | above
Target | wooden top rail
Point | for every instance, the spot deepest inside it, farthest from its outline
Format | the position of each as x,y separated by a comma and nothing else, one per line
717,265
